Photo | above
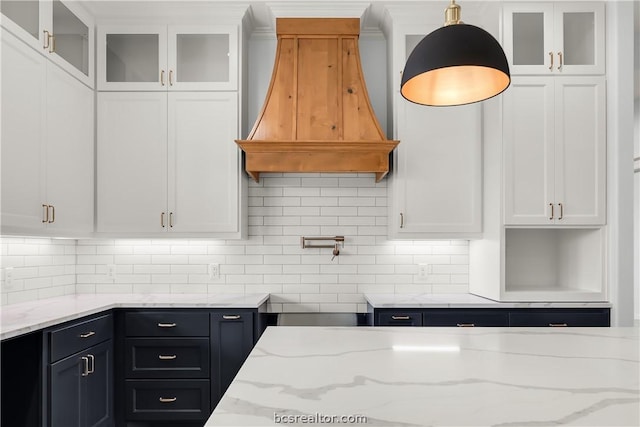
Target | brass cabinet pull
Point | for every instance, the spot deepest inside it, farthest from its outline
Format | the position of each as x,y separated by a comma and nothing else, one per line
170,77
400,317
162,77
560,66
45,213
231,317
88,334
92,361
558,325
53,214
164,357
46,40
401,220
168,399
551,204
170,219
52,45
85,372
561,211
167,325
162,217
551,57
465,325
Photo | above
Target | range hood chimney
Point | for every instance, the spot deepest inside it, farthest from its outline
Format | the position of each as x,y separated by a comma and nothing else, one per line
317,116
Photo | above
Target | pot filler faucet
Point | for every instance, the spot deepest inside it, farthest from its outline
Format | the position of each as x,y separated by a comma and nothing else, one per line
338,240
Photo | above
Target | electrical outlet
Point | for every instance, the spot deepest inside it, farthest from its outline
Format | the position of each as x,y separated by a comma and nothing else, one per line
214,271
423,271
8,276
111,271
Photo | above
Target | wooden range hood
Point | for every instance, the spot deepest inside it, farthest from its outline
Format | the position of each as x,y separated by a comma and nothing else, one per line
317,116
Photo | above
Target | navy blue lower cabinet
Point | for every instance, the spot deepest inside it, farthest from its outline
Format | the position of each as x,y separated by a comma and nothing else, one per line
399,318
465,317
561,317
232,338
167,400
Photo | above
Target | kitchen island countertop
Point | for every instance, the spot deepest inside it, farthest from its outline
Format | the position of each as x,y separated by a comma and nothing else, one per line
19,319
465,301
437,377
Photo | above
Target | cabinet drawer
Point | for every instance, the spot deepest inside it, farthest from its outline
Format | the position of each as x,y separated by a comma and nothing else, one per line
463,318
71,339
167,357
560,318
167,399
412,318
166,324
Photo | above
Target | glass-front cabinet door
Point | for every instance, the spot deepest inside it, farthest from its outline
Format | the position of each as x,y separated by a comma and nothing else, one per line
61,30
203,58
554,38
167,58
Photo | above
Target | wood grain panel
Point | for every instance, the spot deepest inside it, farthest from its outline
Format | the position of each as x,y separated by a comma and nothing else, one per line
318,26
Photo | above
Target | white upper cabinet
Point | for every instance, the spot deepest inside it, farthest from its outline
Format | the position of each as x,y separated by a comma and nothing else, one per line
61,30
167,164
47,146
170,57
555,151
435,190
554,38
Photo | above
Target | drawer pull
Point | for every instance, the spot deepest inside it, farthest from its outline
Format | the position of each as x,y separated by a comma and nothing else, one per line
558,325
166,325
465,325
167,357
168,399
400,317
88,334
85,371
231,317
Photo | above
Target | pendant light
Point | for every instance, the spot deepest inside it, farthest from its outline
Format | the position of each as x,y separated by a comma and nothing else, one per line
455,65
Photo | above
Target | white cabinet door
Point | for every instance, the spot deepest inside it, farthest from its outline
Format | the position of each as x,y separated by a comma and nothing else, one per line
70,142
203,162
23,135
580,150
555,151
554,38
27,20
132,162
528,138
437,186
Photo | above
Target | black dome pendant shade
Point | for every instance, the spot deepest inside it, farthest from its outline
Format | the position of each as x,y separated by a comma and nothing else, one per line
455,65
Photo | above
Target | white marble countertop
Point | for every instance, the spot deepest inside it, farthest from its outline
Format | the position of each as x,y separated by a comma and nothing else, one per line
438,377
464,301
18,319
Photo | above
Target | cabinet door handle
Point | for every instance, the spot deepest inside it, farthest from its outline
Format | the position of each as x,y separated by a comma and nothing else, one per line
558,325
561,211
170,77
162,217
52,44
167,325
170,219
46,41
88,334
92,363
231,316
401,220
167,357
53,214
45,213
551,217
168,399
466,325
162,77
85,372
560,56
400,317
551,58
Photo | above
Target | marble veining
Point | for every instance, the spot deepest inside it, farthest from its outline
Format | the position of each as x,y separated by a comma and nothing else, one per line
439,377
18,319
464,301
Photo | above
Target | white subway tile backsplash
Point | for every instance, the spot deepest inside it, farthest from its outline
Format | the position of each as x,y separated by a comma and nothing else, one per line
282,208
